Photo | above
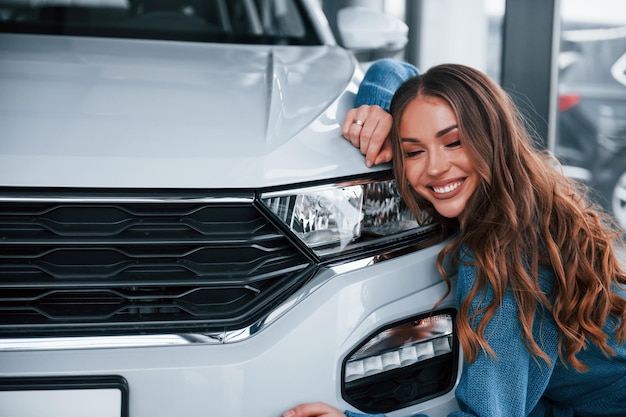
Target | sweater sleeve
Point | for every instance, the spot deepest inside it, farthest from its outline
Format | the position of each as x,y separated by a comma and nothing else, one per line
381,81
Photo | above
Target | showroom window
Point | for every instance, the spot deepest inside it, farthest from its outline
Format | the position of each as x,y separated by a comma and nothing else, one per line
591,119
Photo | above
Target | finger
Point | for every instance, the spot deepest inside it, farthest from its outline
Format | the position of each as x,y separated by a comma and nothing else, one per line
378,146
385,155
368,137
347,122
367,133
315,409
354,122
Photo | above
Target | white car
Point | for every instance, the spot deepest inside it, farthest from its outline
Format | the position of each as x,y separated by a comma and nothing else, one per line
185,232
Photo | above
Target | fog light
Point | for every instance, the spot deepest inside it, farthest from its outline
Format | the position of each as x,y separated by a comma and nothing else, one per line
415,358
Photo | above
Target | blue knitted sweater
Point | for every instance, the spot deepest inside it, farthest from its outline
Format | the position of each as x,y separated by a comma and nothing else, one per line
517,383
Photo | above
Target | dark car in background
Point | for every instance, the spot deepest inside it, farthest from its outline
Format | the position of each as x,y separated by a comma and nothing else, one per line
591,132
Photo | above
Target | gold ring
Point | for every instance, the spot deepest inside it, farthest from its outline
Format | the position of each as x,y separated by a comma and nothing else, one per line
358,122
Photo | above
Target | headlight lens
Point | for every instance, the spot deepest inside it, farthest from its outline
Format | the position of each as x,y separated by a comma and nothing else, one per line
338,218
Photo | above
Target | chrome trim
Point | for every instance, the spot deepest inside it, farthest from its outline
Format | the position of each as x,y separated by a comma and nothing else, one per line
61,199
285,192
163,340
234,336
61,343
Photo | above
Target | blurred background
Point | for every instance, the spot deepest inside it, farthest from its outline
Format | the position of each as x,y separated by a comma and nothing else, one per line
563,61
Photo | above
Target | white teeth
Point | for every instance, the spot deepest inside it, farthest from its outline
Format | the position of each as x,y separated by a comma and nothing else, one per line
447,188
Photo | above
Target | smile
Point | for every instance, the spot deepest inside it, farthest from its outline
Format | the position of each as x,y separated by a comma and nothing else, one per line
448,188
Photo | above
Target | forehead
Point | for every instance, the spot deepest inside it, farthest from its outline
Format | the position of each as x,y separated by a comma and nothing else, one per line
426,115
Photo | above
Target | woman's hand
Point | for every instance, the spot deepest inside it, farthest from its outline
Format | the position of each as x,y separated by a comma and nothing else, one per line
318,409
368,128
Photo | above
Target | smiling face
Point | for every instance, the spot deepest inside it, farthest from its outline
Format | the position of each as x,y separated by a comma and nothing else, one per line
435,162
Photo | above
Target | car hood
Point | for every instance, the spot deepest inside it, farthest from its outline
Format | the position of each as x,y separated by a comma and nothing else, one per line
88,112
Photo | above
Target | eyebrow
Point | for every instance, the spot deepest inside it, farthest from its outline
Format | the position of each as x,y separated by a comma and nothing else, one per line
439,134
446,130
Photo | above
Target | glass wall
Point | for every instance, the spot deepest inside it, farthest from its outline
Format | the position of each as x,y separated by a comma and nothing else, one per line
462,31
591,122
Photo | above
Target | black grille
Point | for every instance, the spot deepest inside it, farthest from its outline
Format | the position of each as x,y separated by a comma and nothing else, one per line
139,264
401,388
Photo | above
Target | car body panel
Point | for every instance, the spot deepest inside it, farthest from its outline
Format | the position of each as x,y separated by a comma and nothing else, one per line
117,110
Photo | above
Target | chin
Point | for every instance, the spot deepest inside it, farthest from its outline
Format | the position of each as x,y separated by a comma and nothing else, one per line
449,212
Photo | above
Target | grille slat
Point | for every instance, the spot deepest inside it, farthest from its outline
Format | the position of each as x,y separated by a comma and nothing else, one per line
124,266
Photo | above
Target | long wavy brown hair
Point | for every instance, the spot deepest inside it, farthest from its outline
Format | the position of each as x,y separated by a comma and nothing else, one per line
523,205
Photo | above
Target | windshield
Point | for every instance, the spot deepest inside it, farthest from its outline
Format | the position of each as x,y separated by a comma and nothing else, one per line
227,21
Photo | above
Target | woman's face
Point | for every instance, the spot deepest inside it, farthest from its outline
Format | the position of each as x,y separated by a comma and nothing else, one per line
435,162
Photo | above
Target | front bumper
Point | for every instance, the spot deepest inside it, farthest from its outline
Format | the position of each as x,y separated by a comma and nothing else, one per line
297,357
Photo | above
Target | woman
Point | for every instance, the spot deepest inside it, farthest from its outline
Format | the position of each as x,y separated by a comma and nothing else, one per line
540,291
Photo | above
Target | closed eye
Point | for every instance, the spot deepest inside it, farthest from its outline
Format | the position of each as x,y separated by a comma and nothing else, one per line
413,154
454,144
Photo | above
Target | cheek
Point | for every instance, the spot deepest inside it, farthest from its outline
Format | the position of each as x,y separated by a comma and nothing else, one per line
465,163
413,172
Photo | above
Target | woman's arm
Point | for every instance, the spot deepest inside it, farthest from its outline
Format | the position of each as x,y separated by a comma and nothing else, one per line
381,81
367,126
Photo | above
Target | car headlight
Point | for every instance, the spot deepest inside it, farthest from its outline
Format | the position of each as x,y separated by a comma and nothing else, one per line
403,364
342,218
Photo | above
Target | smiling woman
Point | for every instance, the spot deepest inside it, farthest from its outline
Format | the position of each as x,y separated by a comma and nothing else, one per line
540,289
435,162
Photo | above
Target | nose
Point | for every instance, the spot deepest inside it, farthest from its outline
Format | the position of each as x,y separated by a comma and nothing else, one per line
437,163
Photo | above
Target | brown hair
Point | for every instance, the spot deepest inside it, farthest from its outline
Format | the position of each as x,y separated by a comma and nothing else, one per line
523,205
